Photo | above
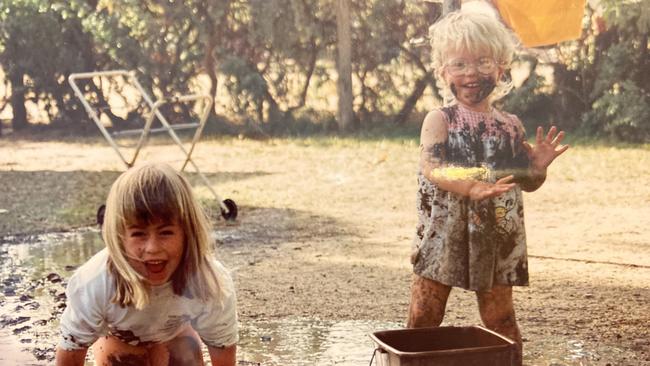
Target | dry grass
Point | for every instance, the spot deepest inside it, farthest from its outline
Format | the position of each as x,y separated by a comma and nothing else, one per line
327,224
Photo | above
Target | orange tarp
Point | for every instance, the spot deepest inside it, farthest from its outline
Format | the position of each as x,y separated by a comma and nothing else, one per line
543,22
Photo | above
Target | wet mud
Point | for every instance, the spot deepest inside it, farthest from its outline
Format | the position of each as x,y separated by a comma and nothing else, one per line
34,272
33,277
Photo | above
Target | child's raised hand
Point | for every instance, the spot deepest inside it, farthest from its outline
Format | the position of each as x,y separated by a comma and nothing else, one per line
546,149
482,190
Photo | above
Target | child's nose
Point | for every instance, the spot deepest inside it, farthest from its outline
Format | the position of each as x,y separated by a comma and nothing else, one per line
152,245
471,69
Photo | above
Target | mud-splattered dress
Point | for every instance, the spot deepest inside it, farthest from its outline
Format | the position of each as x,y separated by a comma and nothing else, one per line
474,244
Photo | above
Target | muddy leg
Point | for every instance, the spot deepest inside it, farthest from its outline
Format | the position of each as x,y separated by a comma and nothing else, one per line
110,351
184,350
498,314
428,301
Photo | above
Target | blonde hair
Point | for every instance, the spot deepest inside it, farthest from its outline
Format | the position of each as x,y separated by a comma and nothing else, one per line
478,33
145,194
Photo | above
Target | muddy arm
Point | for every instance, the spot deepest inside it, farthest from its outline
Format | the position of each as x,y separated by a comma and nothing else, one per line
433,139
532,181
75,357
223,356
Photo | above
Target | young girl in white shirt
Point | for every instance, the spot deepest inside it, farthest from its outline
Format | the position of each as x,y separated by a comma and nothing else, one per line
156,291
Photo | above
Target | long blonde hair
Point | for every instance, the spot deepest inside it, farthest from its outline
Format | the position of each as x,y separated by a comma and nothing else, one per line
144,194
477,33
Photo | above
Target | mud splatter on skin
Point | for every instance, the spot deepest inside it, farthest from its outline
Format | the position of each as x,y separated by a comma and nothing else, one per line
428,302
127,360
184,351
436,153
485,87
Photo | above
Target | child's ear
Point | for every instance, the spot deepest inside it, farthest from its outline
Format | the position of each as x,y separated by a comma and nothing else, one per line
443,75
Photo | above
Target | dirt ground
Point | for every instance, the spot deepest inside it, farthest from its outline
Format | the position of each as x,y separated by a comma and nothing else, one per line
325,229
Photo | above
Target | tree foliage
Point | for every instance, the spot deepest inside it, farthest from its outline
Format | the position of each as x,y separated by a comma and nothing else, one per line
620,97
38,48
272,63
600,82
270,57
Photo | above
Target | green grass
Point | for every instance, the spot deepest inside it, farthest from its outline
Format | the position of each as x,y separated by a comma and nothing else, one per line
386,132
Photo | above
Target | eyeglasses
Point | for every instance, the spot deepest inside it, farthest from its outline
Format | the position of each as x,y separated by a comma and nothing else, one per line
484,65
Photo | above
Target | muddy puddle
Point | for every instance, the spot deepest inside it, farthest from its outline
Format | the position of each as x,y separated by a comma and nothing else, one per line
34,271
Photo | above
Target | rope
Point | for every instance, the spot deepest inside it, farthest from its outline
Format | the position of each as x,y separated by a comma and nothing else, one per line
589,261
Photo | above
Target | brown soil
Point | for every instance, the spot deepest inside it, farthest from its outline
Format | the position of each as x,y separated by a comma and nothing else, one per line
325,229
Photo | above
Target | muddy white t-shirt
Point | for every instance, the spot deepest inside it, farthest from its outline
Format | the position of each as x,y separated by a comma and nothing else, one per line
90,313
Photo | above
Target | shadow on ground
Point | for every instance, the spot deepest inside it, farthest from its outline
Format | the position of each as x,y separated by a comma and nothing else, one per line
270,226
61,201
36,267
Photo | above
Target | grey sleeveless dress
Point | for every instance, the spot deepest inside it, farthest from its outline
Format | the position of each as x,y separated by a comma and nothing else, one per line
474,244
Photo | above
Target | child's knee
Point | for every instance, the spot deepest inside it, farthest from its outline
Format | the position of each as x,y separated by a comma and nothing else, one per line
420,317
185,350
111,351
499,320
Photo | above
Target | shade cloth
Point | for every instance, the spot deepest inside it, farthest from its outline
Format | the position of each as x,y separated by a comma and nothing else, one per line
543,22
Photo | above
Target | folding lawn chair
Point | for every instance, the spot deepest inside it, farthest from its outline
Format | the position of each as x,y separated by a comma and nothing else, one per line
227,207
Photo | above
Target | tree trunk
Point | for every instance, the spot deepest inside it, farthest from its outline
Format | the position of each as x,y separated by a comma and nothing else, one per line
448,6
410,102
344,65
313,57
210,66
214,27
19,120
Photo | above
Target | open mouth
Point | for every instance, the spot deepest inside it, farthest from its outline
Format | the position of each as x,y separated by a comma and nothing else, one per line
155,267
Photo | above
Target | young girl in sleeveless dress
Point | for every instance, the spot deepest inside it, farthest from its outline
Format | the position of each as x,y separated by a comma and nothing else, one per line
474,164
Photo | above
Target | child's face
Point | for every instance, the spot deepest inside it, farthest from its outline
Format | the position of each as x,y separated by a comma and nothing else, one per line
155,250
471,77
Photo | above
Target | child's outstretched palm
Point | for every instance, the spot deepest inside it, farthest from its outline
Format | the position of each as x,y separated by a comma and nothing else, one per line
546,149
483,190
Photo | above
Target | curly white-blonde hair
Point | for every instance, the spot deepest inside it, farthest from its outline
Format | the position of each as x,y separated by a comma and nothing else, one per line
479,33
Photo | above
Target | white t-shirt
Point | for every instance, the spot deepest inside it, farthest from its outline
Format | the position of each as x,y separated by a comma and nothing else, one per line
90,313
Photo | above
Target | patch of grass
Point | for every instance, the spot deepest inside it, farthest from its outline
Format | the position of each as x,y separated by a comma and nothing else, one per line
589,141
76,215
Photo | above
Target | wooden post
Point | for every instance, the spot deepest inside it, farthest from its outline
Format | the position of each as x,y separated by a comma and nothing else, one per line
344,65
